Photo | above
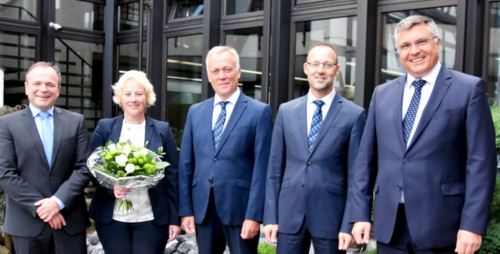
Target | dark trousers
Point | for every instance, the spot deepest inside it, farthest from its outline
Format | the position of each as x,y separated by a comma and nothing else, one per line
300,242
401,242
51,241
127,238
212,235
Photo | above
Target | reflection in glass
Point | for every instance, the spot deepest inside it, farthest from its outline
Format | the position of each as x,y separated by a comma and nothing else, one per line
493,85
129,16
184,63
80,14
338,32
128,57
184,8
17,54
248,44
81,78
20,10
243,6
446,20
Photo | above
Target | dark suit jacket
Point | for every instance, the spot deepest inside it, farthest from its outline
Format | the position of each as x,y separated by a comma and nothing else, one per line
237,167
164,198
312,186
26,177
448,171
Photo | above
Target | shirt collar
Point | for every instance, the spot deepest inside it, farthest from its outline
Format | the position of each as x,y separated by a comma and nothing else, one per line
35,111
232,99
430,78
327,99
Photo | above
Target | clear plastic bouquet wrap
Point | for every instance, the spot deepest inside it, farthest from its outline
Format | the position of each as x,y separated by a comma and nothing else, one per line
128,166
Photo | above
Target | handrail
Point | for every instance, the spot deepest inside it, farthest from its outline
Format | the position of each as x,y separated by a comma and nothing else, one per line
20,9
74,52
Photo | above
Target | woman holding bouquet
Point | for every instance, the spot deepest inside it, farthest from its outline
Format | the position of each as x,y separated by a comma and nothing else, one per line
154,218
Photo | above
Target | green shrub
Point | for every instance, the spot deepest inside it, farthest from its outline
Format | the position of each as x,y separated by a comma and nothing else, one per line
491,241
495,114
265,248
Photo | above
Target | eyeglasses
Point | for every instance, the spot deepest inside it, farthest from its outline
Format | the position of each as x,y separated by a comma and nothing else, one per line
420,43
316,65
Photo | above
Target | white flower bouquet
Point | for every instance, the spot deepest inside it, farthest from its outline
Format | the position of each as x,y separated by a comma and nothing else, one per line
128,166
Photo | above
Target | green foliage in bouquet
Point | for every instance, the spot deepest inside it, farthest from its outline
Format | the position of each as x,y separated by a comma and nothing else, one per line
124,159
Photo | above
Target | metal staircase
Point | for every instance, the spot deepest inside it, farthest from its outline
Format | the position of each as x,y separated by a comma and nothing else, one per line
80,90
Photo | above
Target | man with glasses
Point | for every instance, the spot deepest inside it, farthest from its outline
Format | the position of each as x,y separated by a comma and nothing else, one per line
428,154
314,144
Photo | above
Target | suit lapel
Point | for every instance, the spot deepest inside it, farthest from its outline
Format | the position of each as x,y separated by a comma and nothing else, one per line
31,131
239,108
149,131
398,110
334,110
117,129
59,125
301,113
443,82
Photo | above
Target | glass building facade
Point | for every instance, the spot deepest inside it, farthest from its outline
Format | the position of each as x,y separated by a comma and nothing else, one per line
94,41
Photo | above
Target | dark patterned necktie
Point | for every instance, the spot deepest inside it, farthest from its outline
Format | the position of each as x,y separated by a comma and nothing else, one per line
411,113
219,124
317,119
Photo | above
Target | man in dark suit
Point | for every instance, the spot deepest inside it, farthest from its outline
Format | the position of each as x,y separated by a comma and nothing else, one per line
43,169
223,162
307,180
428,153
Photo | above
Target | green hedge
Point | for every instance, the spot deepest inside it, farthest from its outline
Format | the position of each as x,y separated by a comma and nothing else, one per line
491,241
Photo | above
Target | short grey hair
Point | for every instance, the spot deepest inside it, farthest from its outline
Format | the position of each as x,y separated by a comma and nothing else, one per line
220,50
414,20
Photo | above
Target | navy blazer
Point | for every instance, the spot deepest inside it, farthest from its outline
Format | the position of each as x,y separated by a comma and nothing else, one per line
164,198
312,186
237,168
448,171
26,177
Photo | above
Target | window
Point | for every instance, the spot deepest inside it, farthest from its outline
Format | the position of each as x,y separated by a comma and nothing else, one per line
79,14
81,78
338,32
445,18
184,9
248,44
493,75
17,54
243,6
20,9
184,63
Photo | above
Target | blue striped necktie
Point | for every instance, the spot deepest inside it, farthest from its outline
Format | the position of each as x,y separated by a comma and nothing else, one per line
411,113
219,124
317,119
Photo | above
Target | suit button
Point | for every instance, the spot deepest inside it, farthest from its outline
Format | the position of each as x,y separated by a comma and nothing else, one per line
405,161
303,186
400,188
309,163
215,159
